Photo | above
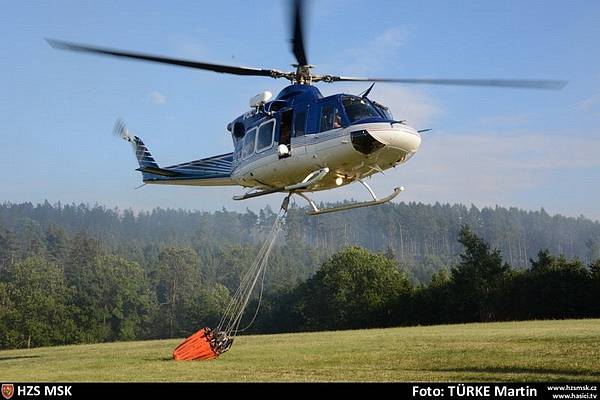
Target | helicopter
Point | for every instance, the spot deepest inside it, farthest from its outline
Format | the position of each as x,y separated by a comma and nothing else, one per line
299,141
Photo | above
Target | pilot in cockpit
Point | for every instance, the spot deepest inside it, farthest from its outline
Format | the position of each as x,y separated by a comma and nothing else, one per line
337,121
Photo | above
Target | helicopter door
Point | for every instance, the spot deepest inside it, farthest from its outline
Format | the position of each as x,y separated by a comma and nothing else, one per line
285,131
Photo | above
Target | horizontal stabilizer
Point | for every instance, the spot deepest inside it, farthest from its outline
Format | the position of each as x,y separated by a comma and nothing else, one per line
159,171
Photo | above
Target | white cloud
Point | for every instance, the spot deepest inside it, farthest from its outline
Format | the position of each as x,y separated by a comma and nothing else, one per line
391,39
190,48
412,105
485,167
591,103
511,120
158,98
371,56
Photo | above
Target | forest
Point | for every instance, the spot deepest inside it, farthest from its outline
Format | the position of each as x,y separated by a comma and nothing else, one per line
76,273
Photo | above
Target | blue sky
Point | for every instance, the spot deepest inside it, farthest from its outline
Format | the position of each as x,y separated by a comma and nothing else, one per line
528,149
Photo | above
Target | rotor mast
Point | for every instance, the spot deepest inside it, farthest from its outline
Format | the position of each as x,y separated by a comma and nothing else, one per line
303,75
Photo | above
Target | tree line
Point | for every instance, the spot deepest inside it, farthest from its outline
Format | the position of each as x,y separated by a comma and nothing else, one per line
356,288
424,237
80,274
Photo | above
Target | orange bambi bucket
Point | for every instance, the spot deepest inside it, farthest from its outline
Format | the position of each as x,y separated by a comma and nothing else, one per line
196,347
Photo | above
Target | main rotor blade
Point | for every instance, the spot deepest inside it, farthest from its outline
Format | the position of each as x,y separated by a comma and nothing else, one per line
509,83
298,32
226,69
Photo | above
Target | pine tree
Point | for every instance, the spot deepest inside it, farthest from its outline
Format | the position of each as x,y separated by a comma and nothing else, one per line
477,277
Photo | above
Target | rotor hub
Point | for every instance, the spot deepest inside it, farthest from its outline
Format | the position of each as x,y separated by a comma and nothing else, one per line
303,75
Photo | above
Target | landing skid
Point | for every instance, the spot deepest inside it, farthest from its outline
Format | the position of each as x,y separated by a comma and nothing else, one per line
310,180
374,202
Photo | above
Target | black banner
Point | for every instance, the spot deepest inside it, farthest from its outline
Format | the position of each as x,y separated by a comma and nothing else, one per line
419,390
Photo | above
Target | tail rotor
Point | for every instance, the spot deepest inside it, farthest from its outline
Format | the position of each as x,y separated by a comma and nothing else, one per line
120,130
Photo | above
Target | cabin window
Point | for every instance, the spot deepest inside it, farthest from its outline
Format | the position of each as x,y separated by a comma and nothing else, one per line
238,130
330,118
358,109
249,143
265,136
299,123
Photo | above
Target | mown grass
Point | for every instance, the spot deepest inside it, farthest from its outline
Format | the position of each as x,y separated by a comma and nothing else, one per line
566,350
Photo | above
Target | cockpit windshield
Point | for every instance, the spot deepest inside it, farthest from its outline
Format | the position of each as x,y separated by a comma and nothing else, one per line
383,110
358,108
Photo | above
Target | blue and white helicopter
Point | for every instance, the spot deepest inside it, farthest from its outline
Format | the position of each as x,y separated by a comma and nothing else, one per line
300,141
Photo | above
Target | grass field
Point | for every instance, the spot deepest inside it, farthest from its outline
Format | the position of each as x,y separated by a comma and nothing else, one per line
513,351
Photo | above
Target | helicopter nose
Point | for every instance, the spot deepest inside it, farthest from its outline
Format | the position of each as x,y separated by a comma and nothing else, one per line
399,136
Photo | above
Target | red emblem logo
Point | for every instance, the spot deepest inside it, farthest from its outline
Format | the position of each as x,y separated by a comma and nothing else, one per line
8,390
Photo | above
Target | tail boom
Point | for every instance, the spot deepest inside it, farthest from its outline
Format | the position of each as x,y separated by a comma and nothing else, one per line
211,171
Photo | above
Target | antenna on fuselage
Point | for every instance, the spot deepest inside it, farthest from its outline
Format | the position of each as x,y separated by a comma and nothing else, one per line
366,92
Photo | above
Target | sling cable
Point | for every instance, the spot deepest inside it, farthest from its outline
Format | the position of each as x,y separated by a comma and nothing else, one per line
210,343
